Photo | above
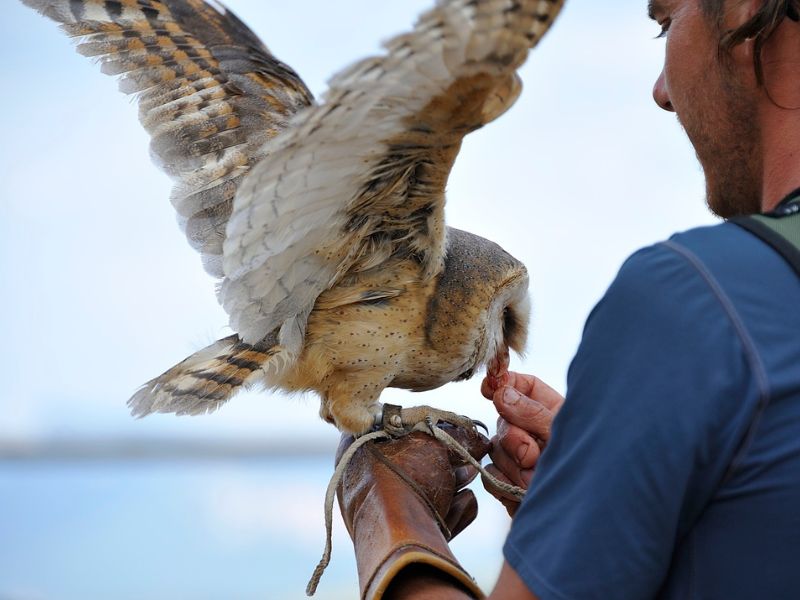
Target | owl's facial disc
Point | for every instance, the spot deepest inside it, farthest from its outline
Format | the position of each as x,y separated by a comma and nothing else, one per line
508,329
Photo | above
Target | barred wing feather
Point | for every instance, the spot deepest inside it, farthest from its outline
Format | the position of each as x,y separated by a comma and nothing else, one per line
210,95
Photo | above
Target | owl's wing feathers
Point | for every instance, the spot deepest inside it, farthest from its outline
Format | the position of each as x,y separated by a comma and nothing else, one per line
210,95
360,178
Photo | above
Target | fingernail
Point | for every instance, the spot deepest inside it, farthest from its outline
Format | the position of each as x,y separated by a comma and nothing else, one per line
521,452
510,396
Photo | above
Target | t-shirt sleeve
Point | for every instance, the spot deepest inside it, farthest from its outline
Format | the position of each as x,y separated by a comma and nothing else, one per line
659,396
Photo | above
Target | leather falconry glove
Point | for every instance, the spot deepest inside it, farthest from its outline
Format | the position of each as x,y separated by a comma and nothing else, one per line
402,501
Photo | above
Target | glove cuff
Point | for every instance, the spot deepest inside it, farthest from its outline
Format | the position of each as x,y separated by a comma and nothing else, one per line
412,554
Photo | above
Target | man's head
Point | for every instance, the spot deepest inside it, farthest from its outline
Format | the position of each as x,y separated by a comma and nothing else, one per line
713,78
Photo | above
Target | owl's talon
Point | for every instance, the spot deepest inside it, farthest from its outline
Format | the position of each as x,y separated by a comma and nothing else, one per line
480,424
398,421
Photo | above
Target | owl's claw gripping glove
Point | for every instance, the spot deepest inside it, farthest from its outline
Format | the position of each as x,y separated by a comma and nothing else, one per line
402,501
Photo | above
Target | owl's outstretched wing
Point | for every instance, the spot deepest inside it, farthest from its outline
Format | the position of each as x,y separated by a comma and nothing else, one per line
210,95
360,179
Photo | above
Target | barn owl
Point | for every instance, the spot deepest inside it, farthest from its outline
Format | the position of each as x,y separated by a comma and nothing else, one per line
324,222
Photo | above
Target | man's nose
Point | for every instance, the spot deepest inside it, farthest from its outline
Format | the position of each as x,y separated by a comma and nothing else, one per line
661,95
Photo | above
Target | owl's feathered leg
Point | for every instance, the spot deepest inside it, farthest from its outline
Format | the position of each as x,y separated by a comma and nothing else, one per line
350,401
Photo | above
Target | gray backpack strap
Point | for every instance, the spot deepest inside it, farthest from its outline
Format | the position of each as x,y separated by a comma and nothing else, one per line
780,229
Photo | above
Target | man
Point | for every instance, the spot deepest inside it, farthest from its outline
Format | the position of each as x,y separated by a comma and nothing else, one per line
673,468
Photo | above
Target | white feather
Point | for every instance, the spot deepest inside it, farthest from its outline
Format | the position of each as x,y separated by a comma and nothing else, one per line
293,206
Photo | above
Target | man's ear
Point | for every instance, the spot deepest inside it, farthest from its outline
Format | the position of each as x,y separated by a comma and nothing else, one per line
779,54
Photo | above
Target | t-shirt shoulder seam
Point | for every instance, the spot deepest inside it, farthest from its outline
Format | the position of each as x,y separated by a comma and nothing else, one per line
748,345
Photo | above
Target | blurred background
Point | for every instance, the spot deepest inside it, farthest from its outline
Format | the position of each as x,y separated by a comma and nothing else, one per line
101,293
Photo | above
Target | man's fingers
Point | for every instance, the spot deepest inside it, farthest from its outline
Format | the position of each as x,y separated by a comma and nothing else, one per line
536,389
527,385
518,444
527,407
522,382
524,412
508,465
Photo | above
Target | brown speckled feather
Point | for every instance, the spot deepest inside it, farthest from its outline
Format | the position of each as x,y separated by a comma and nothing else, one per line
210,95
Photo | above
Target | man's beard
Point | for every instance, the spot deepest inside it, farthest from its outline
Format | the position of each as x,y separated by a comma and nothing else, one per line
733,185
727,142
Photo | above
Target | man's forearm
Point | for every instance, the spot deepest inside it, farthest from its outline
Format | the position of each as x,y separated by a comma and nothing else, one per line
420,582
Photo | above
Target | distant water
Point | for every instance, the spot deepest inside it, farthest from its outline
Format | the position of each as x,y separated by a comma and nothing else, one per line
176,529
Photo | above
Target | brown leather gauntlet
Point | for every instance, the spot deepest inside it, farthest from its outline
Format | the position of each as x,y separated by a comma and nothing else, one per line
401,503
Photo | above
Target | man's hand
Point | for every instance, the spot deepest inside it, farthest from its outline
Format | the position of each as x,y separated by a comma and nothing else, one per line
527,407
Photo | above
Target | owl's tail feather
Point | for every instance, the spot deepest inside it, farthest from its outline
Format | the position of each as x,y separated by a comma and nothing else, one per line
205,380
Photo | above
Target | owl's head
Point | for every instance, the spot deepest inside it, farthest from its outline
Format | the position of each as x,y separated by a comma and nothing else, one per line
481,308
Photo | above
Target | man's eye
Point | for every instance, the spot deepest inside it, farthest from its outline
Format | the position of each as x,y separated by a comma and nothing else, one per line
664,28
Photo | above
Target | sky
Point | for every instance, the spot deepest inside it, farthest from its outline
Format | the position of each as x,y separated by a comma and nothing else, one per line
102,293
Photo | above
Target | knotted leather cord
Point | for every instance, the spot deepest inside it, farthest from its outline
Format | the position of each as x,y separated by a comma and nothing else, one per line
512,490
431,429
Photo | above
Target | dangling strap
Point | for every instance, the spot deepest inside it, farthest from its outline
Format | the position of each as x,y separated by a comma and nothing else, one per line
779,228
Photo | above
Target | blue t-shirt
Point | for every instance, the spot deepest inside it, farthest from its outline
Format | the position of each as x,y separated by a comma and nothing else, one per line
673,470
